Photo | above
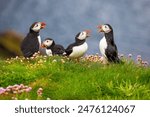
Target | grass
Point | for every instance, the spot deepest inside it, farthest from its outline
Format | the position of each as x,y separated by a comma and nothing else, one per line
63,79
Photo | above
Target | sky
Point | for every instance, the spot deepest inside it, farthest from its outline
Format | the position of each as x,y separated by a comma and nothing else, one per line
65,18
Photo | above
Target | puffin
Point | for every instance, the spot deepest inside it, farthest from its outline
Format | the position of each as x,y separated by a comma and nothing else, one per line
52,48
79,47
107,44
31,43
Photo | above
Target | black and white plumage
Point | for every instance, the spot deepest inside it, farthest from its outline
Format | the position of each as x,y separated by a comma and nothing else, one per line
52,48
79,47
31,43
107,45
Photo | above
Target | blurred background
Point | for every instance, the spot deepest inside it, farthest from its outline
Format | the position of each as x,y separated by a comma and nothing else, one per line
65,18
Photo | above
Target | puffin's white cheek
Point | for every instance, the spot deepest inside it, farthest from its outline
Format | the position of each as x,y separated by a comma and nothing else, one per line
82,37
36,28
49,43
45,43
105,30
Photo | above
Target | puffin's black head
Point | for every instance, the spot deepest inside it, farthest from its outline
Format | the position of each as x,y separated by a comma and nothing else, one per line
106,28
83,35
48,42
37,26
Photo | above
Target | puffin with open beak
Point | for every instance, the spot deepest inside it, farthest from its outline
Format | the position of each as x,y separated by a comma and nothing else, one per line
31,43
107,44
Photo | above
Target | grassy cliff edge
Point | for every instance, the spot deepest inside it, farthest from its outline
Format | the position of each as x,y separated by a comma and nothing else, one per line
63,79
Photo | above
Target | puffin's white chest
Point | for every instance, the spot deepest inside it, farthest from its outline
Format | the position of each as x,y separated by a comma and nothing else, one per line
79,51
103,46
49,52
39,39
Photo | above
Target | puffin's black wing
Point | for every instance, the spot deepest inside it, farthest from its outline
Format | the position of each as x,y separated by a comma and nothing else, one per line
70,49
112,54
30,45
58,50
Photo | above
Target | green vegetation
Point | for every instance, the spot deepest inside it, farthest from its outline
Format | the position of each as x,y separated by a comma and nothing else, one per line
64,79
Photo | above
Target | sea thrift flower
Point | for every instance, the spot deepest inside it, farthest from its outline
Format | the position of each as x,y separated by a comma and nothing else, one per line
16,85
2,90
28,89
16,89
25,86
40,92
139,58
15,92
19,92
8,90
130,55
144,63
21,86
9,87
32,58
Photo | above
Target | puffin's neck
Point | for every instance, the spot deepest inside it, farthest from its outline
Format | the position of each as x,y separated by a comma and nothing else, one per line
109,37
79,41
52,46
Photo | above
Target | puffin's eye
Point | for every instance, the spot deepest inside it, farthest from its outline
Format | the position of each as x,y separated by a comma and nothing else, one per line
83,33
36,25
47,41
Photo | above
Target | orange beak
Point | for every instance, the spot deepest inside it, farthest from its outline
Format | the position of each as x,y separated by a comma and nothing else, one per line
43,46
100,29
88,32
43,25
